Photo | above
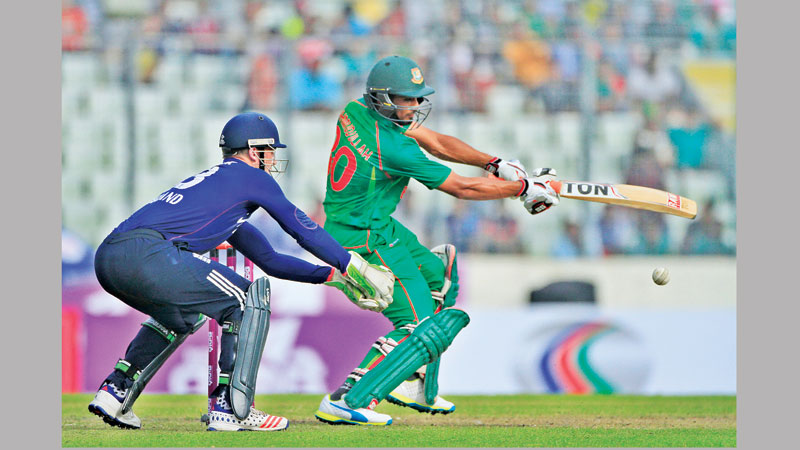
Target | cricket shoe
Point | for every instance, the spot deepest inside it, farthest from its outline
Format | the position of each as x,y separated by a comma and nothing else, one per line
336,412
412,394
222,418
107,404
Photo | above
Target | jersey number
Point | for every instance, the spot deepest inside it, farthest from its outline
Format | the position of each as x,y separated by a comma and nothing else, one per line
349,169
197,178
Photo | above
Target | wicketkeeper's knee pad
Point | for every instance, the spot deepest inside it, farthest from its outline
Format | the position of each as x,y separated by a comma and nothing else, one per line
426,343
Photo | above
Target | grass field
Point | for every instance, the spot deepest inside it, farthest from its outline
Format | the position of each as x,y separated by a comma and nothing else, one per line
479,421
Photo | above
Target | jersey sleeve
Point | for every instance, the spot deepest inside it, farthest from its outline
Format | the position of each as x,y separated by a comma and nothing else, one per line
255,246
267,194
408,160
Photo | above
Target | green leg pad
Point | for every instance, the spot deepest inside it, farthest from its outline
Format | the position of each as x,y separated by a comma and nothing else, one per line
250,347
426,344
432,381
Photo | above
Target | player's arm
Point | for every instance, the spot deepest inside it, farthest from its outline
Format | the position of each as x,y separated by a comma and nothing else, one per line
255,246
481,188
448,148
358,278
367,285
453,149
537,193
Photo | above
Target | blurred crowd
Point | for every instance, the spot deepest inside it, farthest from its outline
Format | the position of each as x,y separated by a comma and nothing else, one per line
314,56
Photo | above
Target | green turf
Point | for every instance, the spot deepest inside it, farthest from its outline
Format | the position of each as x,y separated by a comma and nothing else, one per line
479,421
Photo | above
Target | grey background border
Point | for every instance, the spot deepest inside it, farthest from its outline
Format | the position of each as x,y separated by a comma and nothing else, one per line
767,115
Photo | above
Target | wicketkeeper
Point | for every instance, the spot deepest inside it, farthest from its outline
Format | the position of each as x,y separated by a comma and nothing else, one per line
375,155
153,261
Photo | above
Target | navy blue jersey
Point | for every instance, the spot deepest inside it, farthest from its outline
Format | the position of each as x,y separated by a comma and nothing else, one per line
213,206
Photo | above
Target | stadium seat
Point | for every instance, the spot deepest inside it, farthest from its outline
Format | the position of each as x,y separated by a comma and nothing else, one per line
171,71
81,69
616,131
504,101
568,132
107,101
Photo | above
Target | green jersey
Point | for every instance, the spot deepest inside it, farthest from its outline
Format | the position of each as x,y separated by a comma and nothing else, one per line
371,163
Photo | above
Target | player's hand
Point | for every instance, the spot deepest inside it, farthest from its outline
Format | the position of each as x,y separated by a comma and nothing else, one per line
544,174
511,170
538,195
353,292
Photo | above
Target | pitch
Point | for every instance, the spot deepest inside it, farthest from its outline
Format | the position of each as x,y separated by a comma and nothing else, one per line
479,421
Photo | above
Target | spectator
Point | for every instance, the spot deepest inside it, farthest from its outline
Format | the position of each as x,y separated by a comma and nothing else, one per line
349,24
261,83
462,226
501,231
652,236
645,170
528,56
572,242
689,132
538,22
652,138
310,88
562,93
651,82
704,236
615,50
204,29
74,27
617,230
664,27
610,88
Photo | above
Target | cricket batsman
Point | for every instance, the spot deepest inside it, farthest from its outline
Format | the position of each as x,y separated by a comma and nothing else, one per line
376,152
153,261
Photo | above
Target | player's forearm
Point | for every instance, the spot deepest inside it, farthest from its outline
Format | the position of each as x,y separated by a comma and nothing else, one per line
450,148
474,188
254,246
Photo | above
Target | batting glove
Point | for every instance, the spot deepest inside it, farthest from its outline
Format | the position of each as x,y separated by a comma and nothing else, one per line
511,170
538,195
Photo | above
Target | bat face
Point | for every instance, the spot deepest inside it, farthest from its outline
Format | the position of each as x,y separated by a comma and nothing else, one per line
627,195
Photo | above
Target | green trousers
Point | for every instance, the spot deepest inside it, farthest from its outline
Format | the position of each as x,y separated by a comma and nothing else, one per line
417,272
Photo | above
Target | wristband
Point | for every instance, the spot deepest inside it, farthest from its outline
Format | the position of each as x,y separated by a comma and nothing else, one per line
524,189
493,165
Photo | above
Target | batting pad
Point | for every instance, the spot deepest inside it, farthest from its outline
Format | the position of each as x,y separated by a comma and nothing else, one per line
429,340
250,347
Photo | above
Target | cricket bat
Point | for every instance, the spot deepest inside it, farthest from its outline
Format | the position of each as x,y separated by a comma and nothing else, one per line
627,195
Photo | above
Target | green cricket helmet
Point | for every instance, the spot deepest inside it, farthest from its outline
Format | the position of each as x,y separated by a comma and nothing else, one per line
398,75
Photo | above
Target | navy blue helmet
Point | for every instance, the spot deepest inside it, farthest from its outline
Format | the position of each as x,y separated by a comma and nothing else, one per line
250,129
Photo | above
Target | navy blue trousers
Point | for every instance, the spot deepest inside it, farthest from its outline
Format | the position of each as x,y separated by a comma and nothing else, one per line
173,286
167,283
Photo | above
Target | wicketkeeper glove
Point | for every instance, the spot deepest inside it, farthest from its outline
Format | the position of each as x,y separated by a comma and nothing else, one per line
369,286
538,195
511,170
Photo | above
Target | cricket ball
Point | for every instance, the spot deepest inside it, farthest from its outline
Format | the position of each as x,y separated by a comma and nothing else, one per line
661,276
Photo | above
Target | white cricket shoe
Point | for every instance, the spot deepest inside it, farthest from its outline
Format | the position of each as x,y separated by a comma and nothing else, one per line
338,413
412,395
107,404
222,418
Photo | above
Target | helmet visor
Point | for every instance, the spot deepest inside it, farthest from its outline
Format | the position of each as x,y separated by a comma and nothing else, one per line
383,104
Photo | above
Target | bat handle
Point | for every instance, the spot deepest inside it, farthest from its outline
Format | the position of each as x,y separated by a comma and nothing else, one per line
556,185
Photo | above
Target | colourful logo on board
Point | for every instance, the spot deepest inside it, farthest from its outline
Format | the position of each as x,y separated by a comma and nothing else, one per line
593,357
